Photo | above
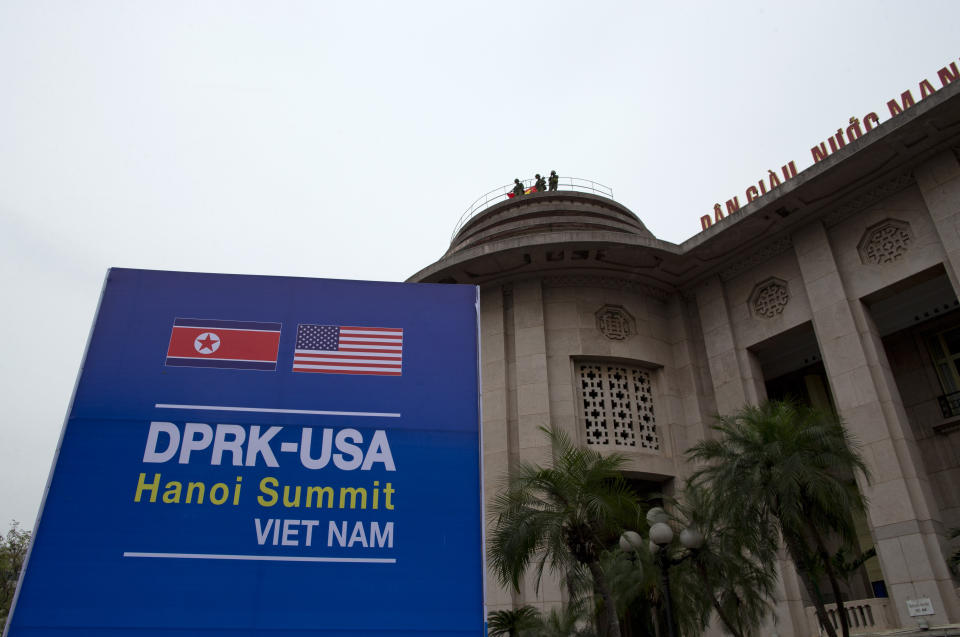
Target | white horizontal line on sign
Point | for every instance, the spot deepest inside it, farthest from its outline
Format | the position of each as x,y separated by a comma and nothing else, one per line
269,410
264,558
336,356
371,333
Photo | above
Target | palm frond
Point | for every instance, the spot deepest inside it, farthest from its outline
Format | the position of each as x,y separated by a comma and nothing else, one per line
513,623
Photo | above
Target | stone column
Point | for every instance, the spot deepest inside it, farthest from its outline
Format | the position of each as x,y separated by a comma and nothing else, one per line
939,183
533,391
532,407
902,514
495,405
789,618
737,380
735,372
690,382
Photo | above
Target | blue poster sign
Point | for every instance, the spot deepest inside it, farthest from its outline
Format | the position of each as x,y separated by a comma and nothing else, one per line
250,455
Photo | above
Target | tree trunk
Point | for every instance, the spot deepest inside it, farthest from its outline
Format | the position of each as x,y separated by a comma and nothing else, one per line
607,621
571,587
716,604
812,590
834,585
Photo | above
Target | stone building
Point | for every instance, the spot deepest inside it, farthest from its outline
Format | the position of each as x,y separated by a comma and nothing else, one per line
840,286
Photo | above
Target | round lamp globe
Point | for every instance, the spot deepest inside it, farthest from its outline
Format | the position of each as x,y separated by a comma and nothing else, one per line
630,541
661,533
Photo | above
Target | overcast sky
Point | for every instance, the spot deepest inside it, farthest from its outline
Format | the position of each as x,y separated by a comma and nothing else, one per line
344,140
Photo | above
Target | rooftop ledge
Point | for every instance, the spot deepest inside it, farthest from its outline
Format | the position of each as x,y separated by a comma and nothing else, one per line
502,193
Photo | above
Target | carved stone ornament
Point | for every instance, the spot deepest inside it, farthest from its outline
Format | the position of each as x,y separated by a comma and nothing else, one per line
885,242
769,298
615,322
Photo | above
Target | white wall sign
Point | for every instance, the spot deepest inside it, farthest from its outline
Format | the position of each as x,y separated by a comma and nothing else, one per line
921,606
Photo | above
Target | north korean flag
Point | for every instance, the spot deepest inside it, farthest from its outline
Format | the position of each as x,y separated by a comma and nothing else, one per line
224,344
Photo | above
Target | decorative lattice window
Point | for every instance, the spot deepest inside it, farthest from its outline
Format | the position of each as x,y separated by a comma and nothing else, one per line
617,405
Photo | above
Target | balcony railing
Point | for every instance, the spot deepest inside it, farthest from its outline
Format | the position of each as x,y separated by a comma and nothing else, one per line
950,404
863,615
501,194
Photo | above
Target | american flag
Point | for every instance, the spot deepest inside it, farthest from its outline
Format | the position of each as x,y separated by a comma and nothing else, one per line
335,349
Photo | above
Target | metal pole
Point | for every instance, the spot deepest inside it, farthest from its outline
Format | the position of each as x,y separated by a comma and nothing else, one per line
665,582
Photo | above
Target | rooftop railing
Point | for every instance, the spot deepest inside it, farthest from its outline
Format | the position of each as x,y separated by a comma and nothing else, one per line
503,193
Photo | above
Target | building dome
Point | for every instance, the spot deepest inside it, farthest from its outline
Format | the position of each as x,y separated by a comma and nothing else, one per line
545,213
549,233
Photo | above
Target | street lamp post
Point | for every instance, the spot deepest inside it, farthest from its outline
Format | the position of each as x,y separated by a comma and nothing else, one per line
661,536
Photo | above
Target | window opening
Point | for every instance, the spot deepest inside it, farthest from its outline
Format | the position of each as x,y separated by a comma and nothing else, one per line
945,351
617,405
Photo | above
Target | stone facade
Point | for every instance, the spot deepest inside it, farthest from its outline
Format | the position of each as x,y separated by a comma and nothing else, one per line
841,285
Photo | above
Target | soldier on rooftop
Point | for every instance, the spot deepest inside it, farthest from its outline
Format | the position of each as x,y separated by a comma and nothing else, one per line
541,184
517,188
554,180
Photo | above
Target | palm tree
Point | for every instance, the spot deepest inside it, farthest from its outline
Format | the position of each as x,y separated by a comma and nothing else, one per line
789,467
639,596
733,573
569,621
563,517
513,623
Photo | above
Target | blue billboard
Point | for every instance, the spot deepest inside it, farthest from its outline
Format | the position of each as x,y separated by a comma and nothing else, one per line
250,455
